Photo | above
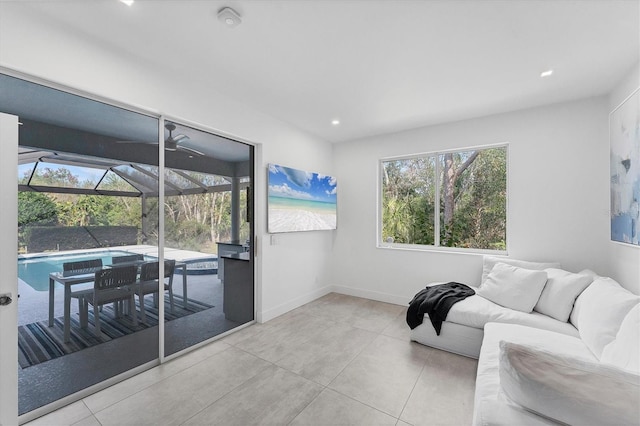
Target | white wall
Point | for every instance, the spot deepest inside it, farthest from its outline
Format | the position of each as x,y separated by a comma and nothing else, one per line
292,271
558,198
624,261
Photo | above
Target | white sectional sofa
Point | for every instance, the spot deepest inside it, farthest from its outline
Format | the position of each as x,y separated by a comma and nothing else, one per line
574,358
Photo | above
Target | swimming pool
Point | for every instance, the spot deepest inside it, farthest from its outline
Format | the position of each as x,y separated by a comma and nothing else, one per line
35,270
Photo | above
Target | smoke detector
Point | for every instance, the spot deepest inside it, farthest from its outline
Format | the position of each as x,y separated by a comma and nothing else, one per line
229,17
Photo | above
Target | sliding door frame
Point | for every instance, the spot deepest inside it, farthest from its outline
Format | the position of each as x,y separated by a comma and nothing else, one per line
256,226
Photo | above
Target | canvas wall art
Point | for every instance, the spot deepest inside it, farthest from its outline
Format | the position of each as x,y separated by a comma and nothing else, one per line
624,134
300,201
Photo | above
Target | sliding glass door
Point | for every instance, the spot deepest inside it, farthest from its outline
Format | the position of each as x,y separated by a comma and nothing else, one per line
82,180
208,190
134,242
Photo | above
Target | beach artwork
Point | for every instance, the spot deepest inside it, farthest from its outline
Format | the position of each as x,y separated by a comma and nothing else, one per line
300,200
624,128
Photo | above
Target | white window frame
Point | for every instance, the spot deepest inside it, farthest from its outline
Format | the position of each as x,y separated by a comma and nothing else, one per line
436,246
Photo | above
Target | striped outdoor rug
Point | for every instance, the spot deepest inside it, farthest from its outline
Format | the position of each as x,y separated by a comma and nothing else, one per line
37,342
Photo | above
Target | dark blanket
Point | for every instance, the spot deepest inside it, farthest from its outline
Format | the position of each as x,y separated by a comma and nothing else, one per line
436,301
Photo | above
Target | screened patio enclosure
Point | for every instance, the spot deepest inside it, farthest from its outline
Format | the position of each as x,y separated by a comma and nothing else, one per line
86,175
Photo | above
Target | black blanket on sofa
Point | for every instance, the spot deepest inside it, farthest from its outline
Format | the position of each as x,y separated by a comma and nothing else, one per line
436,301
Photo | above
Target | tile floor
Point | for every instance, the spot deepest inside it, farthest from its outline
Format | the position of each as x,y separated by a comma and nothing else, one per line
337,360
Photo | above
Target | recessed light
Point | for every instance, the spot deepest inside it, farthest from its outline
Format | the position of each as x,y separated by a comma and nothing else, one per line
546,73
127,2
335,122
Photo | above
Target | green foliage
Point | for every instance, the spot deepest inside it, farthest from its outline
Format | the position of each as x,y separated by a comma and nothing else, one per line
408,199
481,200
478,200
192,222
36,208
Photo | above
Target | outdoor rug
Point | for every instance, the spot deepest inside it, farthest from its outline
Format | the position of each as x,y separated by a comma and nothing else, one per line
37,342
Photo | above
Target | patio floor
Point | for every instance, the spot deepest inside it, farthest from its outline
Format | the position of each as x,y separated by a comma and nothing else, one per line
44,383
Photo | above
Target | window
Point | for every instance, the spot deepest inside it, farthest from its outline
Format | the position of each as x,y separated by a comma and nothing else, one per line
446,199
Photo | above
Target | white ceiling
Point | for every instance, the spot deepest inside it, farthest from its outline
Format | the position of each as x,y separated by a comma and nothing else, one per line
379,66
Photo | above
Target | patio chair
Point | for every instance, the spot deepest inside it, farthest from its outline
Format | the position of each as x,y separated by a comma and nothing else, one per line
149,283
111,285
79,268
127,258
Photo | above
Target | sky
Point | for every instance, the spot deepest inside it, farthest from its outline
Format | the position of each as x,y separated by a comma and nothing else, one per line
293,183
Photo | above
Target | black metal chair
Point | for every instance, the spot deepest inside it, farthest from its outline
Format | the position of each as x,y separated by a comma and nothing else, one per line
111,285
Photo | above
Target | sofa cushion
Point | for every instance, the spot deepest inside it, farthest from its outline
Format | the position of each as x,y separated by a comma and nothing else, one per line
560,292
603,306
573,317
513,287
624,350
488,377
488,262
476,311
567,389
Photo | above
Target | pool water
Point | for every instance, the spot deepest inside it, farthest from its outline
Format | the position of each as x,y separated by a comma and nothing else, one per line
35,271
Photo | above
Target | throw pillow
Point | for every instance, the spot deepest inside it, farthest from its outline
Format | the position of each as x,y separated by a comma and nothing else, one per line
513,287
488,262
624,351
575,313
567,389
560,293
603,306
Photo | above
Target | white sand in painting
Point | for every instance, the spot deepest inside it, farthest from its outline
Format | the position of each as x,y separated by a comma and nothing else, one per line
288,220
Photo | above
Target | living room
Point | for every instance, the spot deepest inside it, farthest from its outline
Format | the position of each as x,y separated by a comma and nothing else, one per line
557,133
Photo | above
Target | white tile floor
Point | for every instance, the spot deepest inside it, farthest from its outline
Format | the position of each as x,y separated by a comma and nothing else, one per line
337,360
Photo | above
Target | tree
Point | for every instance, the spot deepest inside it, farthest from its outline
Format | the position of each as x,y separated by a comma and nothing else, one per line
480,213
408,200
451,172
36,208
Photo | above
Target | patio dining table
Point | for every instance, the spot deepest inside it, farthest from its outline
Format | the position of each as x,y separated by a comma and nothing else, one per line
70,280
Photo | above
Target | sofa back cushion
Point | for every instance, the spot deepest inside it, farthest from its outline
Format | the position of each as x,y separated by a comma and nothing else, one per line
624,350
560,292
488,262
568,389
600,311
513,287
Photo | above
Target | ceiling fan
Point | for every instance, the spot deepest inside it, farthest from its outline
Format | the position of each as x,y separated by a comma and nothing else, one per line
173,143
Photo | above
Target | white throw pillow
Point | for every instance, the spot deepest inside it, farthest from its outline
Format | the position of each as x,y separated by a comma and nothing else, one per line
573,317
624,351
560,293
567,389
603,306
488,262
513,287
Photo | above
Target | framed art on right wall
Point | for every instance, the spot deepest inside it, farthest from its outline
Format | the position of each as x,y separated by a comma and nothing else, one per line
624,139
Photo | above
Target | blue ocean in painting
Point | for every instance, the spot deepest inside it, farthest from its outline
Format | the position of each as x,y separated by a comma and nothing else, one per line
310,205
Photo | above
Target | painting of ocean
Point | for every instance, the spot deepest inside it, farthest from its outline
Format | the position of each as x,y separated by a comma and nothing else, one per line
300,200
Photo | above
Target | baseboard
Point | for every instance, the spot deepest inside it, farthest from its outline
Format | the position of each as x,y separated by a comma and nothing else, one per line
283,308
373,295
